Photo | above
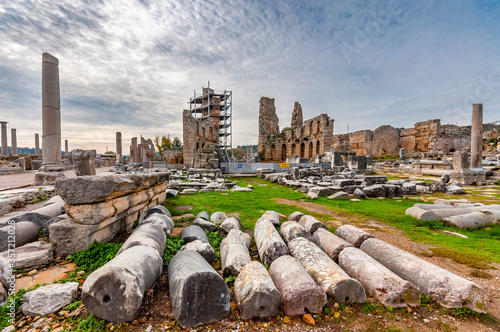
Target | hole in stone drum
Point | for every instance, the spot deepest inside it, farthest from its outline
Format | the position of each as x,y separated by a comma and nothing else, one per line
106,299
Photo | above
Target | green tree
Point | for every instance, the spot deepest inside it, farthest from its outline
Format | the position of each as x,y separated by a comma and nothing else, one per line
176,143
162,143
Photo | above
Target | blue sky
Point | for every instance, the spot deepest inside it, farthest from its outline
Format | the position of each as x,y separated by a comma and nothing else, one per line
131,66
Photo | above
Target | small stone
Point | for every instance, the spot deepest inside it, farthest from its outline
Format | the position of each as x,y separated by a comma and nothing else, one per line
308,319
409,309
56,325
336,306
32,272
135,323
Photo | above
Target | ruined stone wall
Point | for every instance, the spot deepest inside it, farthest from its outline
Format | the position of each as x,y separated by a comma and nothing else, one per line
427,136
304,138
197,135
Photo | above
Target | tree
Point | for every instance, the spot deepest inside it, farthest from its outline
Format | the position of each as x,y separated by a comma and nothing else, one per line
164,142
176,143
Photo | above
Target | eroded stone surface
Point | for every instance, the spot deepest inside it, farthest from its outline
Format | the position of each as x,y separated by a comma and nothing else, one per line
269,243
330,243
48,299
352,234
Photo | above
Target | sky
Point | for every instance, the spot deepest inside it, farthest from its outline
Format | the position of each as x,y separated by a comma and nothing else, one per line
132,65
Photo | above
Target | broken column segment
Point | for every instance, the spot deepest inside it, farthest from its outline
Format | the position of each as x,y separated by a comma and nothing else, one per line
326,273
448,289
84,161
118,147
192,233
273,216
299,292
164,222
472,220
352,234
115,291
385,286
289,230
311,224
476,144
234,252
13,142
295,216
201,247
421,214
255,293
269,243
198,293
149,235
330,243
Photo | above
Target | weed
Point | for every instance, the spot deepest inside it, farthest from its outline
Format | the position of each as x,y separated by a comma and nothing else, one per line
73,305
174,244
424,299
369,307
90,324
215,240
40,232
96,255
390,309
230,280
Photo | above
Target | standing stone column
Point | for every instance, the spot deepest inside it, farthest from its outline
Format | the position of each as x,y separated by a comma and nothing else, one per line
133,150
13,141
402,154
66,149
476,148
118,146
37,144
51,113
5,151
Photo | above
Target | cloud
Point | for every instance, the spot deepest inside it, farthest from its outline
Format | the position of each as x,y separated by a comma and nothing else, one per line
131,66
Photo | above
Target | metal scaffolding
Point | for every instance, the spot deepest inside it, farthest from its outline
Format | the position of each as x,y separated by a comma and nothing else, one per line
218,105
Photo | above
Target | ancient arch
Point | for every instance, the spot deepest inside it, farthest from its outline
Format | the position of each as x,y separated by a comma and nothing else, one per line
273,152
283,152
293,149
318,127
302,150
318,147
311,149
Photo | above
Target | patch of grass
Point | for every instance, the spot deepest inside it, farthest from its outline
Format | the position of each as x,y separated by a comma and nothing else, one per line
471,260
369,307
74,305
230,280
90,324
480,274
425,299
174,244
95,256
215,240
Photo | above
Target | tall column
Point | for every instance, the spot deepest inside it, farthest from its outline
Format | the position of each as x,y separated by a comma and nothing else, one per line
5,151
66,148
37,144
476,148
51,112
13,141
133,150
118,146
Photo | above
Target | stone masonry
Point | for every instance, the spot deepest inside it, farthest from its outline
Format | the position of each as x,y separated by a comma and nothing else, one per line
200,138
303,138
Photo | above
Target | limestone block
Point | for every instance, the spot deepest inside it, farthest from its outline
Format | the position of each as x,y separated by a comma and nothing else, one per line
203,215
98,188
319,191
188,270
207,226
311,224
295,216
289,230
115,291
3,296
49,299
376,190
255,293
91,214
32,255
299,293
269,243
385,286
149,235
192,233
6,275
218,217
450,290
330,243
332,279
227,225
84,161
339,195
352,234
48,178
203,248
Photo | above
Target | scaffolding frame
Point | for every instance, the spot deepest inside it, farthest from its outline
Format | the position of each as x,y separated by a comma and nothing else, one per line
221,110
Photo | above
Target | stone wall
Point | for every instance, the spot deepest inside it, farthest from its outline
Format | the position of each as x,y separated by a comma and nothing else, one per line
303,138
427,136
200,138
98,207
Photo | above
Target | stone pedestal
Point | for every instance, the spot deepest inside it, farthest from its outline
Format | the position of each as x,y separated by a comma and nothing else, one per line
476,149
118,146
37,144
5,151
84,162
13,141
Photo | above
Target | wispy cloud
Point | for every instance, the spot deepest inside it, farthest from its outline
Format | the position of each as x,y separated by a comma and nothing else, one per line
131,66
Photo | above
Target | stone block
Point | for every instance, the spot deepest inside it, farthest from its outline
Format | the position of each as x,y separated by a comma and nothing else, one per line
49,299
32,255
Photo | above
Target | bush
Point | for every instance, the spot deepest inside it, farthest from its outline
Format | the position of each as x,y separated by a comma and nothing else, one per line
95,256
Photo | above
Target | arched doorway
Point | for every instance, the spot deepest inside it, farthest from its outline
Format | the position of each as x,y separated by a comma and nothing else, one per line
302,150
318,147
293,149
273,152
283,152
311,149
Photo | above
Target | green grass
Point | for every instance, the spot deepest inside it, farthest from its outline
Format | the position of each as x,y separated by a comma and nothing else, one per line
484,243
174,244
95,256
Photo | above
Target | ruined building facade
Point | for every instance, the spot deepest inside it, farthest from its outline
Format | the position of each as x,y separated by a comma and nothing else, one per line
303,138
428,136
200,137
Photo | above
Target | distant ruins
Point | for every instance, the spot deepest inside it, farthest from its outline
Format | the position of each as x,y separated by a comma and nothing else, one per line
303,139
207,129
